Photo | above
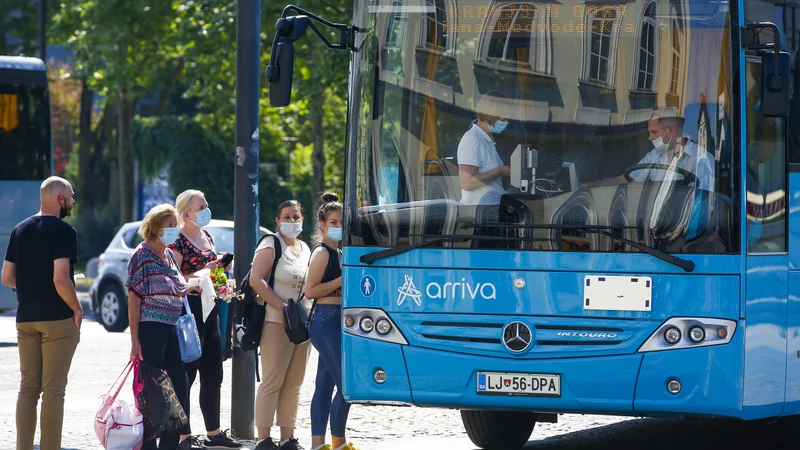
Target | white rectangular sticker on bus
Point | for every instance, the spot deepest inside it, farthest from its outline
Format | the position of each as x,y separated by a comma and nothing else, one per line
616,293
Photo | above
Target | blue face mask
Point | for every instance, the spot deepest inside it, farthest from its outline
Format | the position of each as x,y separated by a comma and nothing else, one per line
170,236
335,234
203,218
498,127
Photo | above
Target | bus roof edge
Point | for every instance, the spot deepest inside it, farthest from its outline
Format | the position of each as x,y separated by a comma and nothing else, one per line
21,63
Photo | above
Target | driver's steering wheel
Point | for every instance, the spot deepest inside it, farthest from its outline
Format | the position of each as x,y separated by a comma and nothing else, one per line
688,177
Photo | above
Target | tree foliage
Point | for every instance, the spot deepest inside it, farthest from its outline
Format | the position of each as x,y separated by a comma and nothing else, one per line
179,57
19,22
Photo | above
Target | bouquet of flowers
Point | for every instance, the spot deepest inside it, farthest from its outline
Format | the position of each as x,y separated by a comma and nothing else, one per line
226,288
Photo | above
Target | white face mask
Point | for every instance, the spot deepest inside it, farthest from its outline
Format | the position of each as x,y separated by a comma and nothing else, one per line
291,229
659,143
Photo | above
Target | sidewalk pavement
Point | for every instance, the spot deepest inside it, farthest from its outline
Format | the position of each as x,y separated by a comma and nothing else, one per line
101,356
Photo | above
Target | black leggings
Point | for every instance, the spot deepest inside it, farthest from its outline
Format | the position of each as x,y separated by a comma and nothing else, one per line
209,365
159,343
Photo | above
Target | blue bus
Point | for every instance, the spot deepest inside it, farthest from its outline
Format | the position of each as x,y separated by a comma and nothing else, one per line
570,207
26,156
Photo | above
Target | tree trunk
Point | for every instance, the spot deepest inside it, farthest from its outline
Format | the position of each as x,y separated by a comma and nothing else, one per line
318,155
124,157
85,170
105,153
109,134
167,92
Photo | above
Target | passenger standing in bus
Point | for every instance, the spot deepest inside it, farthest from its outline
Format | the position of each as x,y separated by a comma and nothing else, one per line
479,165
194,250
283,364
39,264
324,284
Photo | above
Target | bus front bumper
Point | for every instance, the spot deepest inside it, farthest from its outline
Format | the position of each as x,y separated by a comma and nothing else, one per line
634,384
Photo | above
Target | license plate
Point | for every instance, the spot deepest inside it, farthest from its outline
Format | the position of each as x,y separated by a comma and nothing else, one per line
494,383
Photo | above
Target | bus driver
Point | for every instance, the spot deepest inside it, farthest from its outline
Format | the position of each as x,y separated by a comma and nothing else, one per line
479,165
671,148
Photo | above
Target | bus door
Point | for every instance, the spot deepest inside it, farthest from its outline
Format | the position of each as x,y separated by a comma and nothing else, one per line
767,376
793,144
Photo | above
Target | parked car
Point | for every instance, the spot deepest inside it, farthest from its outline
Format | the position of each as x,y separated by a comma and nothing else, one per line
108,295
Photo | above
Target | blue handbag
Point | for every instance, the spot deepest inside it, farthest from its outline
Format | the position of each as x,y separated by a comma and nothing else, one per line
188,337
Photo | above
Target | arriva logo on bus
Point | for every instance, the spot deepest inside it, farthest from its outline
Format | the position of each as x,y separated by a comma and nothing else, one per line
437,291
462,289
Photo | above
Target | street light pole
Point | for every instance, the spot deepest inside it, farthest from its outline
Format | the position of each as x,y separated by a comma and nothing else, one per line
246,208
42,30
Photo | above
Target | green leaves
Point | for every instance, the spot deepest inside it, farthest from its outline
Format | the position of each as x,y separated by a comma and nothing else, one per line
189,48
118,42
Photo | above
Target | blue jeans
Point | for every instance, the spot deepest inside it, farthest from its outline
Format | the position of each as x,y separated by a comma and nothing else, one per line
326,336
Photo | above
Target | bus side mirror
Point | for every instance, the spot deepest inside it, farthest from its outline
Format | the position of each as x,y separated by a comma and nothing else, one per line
280,71
775,84
280,90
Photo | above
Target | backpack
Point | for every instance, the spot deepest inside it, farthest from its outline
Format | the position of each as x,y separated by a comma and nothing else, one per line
250,316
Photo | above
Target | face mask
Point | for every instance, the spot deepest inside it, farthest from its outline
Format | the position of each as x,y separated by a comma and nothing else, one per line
498,127
291,229
170,236
658,142
335,234
203,218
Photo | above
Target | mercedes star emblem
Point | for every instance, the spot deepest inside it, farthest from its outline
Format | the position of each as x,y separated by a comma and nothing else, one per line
517,336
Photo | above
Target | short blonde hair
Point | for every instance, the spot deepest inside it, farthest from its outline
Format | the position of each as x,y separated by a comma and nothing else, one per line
184,202
153,222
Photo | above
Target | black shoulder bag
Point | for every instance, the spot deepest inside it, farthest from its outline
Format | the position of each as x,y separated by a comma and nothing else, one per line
295,319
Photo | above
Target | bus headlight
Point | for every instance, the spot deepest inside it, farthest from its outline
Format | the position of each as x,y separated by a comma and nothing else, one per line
367,324
701,332
383,327
371,323
672,335
697,334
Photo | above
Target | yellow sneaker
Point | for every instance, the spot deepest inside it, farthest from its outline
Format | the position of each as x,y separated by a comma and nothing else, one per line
326,447
349,446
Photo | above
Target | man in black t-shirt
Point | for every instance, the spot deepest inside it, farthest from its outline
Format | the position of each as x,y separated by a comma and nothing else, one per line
39,264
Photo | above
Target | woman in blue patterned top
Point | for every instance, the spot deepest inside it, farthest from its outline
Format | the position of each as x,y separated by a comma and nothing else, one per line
156,289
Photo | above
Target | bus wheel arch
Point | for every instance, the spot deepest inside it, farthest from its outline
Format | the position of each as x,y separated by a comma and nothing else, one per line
492,430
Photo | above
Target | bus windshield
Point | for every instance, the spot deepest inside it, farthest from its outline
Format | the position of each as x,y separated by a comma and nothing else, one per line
535,125
24,130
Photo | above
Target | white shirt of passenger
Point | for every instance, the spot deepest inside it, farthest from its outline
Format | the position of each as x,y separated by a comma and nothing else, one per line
478,149
290,274
693,158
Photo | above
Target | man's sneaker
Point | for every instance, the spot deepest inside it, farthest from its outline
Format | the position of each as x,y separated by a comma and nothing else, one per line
267,444
349,446
185,444
221,441
291,444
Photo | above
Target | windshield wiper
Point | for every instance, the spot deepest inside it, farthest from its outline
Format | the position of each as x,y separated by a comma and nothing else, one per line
684,264
370,258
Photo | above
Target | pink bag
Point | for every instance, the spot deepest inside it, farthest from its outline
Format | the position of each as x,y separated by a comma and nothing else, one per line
119,425
138,386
